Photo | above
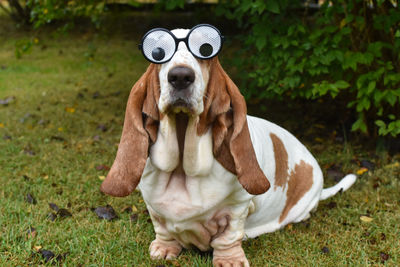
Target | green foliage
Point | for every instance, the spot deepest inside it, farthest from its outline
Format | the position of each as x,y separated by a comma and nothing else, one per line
46,11
348,48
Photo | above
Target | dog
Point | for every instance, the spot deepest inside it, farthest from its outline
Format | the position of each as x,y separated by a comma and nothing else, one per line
210,175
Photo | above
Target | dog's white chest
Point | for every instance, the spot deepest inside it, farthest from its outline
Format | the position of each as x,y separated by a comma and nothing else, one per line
192,208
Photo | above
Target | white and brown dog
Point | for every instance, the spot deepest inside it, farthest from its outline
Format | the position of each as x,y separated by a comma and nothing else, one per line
209,174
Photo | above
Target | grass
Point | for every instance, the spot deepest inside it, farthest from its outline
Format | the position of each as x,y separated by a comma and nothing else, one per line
64,124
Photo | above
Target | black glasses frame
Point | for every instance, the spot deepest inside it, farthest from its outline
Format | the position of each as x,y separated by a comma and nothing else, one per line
178,40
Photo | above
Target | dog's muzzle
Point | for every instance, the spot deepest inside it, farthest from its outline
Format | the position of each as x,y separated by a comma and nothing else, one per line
181,78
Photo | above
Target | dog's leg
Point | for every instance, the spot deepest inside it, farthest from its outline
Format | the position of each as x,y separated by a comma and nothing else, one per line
164,246
227,246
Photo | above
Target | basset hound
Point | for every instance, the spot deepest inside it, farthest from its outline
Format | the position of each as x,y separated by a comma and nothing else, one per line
210,175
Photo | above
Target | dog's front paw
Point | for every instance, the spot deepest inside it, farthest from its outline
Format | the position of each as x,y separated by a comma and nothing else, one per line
232,257
230,262
168,250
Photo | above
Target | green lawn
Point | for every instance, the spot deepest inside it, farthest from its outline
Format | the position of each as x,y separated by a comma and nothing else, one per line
61,131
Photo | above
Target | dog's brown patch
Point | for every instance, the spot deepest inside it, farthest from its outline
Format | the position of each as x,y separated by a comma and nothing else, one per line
301,180
281,161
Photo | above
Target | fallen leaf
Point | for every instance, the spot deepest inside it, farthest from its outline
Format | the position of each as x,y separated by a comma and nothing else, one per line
31,231
325,250
102,127
64,213
383,237
134,209
102,177
102,167
367,164
60,129
366,219
70,109
7,100
30,199
7,137
43,122
318,140
362,171
106,213
57,138
37,248
54,207
384,257
46,254
1,125
393,165
49,255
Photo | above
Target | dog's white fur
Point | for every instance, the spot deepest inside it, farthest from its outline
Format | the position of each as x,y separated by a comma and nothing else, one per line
198,202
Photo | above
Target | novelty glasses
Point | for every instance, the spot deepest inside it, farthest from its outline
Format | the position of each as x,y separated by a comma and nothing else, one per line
159,45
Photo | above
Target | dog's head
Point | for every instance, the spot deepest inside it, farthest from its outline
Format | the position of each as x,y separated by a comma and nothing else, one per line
185,77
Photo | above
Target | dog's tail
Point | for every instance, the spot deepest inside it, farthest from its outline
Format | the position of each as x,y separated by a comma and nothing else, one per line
343,185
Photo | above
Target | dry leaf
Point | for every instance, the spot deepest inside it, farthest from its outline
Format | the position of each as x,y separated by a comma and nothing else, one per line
393,165
70,109
102,177
366,219
134,209
362,171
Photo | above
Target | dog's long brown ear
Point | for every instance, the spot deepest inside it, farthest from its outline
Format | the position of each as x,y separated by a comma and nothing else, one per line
139,131
225,110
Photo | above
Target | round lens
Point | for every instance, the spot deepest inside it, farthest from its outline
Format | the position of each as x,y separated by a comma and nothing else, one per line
158,46
204,41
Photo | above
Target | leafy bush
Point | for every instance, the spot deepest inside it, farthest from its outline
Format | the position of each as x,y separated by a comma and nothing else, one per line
46,11
347,47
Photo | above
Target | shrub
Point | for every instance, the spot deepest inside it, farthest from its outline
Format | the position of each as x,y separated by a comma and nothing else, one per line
346,47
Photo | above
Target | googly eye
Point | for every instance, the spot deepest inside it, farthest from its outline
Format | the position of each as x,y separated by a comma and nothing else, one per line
206,50
204,41
158,46
158,53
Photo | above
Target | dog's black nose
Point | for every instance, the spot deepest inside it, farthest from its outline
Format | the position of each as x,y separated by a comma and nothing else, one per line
181,77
